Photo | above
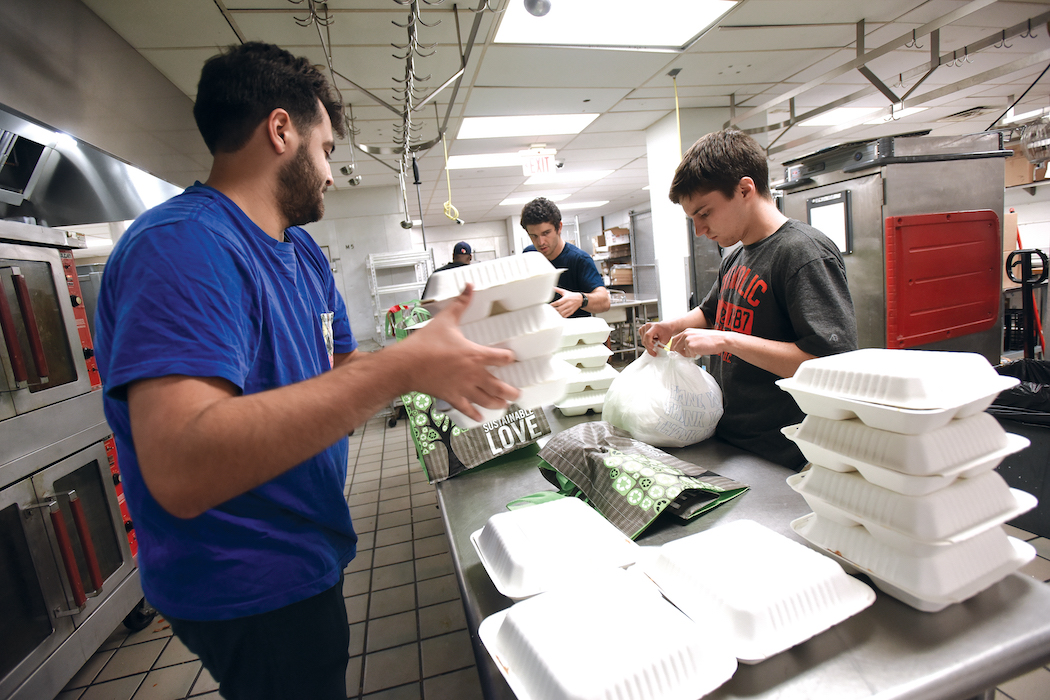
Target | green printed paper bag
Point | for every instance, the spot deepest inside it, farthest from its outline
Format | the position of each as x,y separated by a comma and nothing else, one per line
627,481
445,450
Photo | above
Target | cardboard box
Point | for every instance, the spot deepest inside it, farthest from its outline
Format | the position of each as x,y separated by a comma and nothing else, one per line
598,243
621,250
617,277
1018,170
617,236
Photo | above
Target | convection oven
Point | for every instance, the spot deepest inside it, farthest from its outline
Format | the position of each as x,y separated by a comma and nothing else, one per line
67,569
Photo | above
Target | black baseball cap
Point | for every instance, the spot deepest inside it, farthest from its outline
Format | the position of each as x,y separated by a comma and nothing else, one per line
462,248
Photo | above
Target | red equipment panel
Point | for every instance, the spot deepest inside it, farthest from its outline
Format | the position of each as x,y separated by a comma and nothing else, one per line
69,267
942,276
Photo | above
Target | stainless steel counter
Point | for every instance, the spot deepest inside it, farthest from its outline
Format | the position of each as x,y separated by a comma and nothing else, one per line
889,650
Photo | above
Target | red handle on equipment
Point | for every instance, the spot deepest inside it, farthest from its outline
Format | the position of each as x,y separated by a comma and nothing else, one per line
29,318
7,327
86,543
65,546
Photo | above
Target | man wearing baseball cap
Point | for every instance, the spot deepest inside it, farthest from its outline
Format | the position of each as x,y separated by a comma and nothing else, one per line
461,255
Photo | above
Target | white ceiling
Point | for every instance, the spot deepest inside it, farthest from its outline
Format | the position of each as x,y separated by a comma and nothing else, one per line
760,51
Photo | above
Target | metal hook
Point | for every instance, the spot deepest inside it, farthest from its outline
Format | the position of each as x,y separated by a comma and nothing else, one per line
486,7
900,81
1028,33
966,55
1002,43
913,44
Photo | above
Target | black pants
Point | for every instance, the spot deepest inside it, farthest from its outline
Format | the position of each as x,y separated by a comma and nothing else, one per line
298,651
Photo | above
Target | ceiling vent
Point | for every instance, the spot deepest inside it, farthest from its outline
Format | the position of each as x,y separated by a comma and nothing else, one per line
966,114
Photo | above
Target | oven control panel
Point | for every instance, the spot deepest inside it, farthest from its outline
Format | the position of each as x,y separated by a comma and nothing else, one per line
69,268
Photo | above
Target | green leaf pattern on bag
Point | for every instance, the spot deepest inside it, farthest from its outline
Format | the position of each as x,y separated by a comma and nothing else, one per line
657,484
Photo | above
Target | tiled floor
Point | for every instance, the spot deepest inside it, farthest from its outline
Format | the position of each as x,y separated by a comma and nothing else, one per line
408,637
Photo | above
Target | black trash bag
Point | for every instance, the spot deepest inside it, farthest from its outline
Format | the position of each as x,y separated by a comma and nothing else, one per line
1029,401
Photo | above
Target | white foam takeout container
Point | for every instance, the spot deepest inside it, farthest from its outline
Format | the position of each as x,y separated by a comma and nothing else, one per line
516,547
579,403
909,464
930,581
618,639
586,330
500,285
591,379
528,333
912,379
541,380
955,513
585,356
761,592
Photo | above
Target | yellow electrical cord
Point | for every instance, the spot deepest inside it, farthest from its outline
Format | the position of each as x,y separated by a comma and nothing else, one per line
450,211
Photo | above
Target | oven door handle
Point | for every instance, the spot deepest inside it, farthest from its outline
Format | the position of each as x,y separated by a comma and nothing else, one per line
65,547
36,345
86,542
14,350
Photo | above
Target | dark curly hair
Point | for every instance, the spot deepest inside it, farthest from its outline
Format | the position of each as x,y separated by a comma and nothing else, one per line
718,161
540,211
242,85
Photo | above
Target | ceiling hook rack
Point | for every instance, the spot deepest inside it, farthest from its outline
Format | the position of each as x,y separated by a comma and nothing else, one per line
1027,34
1002,43
486,7
913,44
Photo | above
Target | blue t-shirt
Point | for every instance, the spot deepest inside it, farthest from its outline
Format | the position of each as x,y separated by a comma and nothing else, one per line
196,288
579,271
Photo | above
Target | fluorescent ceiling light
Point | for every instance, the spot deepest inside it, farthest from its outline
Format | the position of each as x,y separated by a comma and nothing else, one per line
582,205
1012,118
653,25
646,188
518,201
565,177
897,114
532,125
484,160
837,117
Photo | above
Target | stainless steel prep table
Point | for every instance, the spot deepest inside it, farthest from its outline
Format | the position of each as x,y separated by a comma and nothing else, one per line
889,650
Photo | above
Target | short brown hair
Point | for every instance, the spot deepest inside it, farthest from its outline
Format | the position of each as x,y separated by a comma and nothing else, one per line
718,161
540,211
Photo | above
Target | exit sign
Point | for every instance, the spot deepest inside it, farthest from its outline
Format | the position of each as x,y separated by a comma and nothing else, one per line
534,164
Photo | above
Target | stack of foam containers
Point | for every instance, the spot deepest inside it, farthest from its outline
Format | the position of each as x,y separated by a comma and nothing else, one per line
902,482
509,309
583,347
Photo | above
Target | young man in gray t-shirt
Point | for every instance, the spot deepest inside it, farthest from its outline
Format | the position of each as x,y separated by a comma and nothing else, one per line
780,297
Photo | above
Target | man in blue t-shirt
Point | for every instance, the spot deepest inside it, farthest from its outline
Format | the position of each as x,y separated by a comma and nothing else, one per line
580,291
232,379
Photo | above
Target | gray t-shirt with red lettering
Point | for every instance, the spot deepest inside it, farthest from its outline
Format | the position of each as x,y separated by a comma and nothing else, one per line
790,287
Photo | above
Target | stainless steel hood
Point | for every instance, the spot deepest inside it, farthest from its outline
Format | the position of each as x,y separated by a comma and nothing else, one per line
75,183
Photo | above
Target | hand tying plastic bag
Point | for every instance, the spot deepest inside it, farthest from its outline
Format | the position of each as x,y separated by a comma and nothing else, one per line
665,401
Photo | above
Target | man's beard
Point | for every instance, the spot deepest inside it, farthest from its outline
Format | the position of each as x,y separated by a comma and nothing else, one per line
300,193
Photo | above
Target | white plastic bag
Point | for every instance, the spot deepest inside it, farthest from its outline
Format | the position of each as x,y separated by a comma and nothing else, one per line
665,401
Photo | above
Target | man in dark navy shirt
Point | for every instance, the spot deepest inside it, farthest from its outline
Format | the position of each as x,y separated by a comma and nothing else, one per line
580,290
461,255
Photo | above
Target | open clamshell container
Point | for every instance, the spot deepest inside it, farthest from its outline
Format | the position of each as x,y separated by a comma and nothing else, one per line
516,547
541,380
930,580
501,285
593,379
955,513
767,592
530,332
585,356
579,403
586,330
912,379
909,464
619,639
